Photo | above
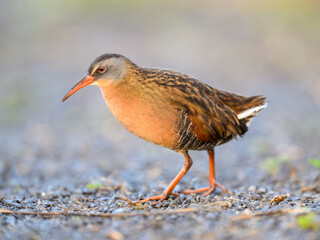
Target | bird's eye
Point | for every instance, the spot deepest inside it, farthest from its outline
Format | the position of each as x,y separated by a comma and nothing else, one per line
102,69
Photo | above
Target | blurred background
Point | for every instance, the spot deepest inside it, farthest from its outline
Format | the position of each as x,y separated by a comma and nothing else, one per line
248,47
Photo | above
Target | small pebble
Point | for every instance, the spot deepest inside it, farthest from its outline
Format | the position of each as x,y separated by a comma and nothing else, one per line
261,190
252,188
12,204
119,210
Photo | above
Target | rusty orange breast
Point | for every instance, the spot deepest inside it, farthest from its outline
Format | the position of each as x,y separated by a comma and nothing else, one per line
150,120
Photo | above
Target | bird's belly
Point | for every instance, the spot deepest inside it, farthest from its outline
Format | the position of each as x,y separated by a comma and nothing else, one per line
148,120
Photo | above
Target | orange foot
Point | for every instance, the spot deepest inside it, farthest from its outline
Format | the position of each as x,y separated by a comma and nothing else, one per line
169,189
207,190
160,198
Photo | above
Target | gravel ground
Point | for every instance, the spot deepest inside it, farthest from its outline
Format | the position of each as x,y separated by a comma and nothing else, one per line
244,214
74,159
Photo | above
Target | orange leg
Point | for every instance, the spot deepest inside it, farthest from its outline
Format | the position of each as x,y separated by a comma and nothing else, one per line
212,179
168,191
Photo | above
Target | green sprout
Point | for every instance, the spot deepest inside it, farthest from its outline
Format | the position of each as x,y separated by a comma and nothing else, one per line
308,221
315,162
272,165
75,218
94,185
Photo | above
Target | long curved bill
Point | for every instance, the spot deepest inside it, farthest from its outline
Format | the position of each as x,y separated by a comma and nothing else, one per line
87,80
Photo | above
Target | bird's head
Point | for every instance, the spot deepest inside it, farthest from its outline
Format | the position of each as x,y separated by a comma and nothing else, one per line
106,69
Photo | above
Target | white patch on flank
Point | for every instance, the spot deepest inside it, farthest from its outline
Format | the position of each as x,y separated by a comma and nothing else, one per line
251,112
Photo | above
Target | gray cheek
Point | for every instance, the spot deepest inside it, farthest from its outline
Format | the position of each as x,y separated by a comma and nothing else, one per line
109,75
115,73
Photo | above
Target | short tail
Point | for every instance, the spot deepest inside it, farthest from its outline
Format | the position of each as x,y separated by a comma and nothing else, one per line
247,115
245,107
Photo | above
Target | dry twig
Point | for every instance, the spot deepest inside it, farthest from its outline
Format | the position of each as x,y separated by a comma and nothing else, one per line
262,214
102,215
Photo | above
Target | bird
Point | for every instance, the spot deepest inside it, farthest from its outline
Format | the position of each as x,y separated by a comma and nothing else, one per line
171,109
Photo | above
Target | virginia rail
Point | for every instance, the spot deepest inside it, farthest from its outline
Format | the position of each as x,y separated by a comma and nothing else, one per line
171,109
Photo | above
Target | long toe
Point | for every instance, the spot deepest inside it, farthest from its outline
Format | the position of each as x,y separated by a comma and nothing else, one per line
154,198
223,188
210,190
158,198
207,190
191,191
162,198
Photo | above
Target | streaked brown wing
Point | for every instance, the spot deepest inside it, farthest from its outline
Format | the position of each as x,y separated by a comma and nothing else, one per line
211,119
219,124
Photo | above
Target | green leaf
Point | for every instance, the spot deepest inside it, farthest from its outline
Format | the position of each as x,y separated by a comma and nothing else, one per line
272,165
75,218
315,162
94,185
308,222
